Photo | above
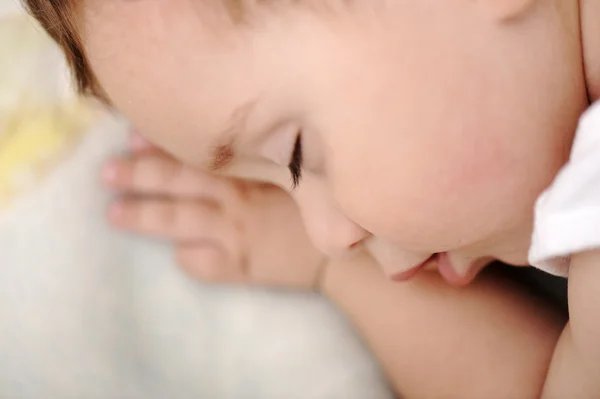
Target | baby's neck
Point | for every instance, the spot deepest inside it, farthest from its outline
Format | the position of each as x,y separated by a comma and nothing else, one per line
590,32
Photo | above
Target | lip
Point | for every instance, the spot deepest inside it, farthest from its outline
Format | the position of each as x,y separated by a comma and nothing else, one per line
448,272
413,271
445,268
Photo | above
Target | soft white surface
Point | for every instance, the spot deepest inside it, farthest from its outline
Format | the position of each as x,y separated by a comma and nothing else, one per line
567,217
88,313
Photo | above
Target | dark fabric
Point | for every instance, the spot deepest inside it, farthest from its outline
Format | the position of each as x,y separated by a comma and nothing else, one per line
552,287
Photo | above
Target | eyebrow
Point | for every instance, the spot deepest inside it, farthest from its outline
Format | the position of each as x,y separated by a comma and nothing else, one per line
223,153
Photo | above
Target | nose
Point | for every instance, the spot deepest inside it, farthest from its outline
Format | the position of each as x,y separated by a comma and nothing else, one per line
329,229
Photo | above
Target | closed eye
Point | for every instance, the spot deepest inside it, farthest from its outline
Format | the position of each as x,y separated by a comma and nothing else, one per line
295,165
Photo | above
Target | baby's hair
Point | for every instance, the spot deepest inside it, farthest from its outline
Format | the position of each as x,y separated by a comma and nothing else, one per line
60,19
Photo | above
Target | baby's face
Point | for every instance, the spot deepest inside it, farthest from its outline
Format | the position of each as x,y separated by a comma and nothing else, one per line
421,127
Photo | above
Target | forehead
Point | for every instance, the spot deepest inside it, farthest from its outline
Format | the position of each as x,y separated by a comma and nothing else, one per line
220,15
202,8
188,76
151,19
164,68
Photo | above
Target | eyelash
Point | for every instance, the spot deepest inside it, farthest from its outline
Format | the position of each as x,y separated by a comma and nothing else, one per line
295,165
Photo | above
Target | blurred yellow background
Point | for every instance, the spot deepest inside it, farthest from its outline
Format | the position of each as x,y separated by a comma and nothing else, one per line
40,115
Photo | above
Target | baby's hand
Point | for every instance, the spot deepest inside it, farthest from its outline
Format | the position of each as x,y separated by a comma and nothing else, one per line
224,230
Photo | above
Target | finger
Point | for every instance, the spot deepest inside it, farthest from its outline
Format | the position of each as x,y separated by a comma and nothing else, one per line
208,264
182,220
158,174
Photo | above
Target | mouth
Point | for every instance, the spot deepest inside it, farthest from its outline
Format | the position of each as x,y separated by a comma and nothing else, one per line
445,268
413,271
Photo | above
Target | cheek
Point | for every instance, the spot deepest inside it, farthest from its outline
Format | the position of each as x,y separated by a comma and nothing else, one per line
439,195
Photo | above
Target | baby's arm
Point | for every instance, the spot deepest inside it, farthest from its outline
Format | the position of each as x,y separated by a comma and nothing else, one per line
489,340
575,367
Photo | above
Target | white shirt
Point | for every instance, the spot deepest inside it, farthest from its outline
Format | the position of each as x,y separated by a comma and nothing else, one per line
567,214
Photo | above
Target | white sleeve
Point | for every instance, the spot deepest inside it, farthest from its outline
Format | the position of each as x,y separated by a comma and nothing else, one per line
567,214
